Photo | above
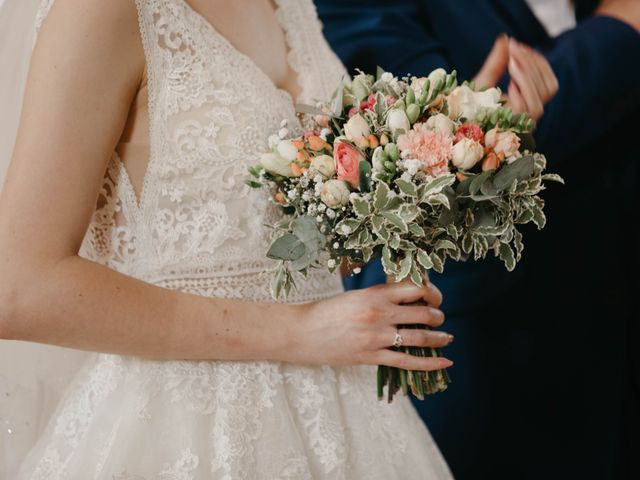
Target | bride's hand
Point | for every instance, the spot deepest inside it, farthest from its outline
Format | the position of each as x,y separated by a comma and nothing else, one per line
357,327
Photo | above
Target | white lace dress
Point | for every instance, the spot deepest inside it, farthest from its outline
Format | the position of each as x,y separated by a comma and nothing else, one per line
197,228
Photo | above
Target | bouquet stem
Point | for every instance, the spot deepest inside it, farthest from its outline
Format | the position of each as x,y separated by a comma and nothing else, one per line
420,383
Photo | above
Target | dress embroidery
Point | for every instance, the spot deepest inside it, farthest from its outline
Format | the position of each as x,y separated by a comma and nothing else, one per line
197,228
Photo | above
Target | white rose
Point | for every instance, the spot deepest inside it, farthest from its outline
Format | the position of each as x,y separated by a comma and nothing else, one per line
274,163
464,102
335,193
466,153
397,120
356,128
287,150
324,165
440,123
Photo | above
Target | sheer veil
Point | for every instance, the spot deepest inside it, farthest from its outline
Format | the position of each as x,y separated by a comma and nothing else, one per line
32,376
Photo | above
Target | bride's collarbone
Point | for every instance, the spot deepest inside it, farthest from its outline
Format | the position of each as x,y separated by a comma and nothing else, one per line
252,28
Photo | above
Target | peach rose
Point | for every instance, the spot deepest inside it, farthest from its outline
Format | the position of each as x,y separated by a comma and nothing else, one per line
347,159
507,143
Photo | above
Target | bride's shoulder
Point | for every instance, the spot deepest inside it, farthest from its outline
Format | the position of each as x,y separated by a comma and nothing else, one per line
91,18
106,29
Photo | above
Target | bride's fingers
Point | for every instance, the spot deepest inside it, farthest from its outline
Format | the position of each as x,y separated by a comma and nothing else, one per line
415,315
405,361
408,292
415,338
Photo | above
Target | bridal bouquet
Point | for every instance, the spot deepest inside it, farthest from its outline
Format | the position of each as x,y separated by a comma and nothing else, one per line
413,171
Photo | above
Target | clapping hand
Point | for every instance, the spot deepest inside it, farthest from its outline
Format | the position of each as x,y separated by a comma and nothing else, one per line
533,83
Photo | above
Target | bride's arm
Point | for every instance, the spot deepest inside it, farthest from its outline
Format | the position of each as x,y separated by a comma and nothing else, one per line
84,75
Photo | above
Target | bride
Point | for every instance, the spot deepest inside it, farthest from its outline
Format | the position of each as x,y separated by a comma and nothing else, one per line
126,229
128,236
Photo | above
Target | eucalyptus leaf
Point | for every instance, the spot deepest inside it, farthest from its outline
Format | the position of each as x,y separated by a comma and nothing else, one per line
479,180
520,169
364,171
288,247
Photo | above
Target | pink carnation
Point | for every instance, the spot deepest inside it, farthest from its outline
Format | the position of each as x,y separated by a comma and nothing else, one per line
432,148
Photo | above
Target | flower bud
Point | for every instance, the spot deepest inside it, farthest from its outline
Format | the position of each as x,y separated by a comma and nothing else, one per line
335,193
377,159
413,112
392,151
398,122
274,163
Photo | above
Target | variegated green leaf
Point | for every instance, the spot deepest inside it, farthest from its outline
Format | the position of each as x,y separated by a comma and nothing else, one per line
396,221
407,188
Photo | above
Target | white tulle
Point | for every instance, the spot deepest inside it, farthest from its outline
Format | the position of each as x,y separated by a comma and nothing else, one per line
196,227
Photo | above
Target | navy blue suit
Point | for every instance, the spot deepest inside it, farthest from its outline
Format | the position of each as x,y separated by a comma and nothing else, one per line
538,380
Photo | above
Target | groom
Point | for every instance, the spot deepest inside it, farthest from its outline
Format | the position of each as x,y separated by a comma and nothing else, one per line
540,351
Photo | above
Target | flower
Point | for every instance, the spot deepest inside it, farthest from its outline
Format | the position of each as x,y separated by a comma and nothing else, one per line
316,143
464,102
466,153
287,150
356,128
432,148
491,162
417,84
398,122
507,143
323,165
378,159
335,193
347,161
440,123
322,120
274,163
470,130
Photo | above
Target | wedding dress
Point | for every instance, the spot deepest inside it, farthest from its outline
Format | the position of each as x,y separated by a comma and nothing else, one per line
197,228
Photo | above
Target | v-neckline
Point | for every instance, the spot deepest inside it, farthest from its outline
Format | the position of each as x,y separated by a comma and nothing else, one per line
248,60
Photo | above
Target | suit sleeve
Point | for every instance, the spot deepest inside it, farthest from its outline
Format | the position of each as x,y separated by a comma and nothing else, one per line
598,69
392,35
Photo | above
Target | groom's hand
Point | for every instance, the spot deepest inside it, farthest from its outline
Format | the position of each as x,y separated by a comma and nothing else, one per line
533,83
627,11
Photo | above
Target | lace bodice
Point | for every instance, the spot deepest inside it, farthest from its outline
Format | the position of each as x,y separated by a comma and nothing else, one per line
196,225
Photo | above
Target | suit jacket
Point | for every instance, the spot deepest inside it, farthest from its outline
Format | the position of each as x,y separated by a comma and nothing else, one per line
597,65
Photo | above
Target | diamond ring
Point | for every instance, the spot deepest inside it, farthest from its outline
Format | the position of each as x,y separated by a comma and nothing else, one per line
397,341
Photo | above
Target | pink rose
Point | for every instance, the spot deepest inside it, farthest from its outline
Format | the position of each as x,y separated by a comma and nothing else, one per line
347,159
507,143
471,131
